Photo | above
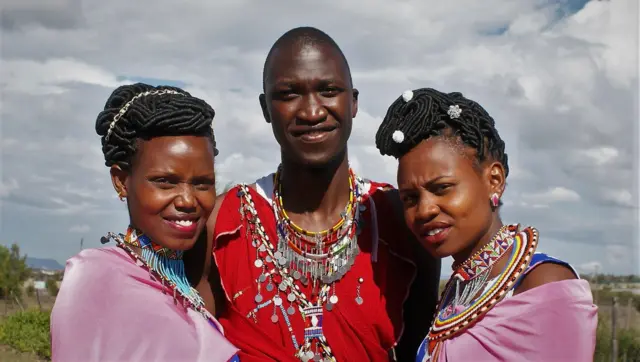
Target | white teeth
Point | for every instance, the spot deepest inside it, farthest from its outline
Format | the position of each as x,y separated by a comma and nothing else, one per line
434,231
183,222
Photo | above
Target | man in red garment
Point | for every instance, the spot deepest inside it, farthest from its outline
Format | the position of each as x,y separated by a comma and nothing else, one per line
304,276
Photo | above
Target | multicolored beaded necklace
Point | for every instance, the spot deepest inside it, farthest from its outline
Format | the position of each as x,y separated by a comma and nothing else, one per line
457,312
163,264
324,256
297,259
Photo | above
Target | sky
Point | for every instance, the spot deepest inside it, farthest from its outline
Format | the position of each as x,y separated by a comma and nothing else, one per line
559,77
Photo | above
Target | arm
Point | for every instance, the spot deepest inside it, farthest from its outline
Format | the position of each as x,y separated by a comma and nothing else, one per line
423,295
421,303
198,261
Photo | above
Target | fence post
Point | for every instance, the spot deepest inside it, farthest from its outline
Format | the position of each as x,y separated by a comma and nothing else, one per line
614,339
629,311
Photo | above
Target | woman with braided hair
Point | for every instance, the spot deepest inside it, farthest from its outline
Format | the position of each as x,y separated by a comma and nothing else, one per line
504,301
133,301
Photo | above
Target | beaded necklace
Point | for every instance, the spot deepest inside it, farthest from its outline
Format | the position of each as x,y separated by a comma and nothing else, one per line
163,264
455,312
324,256
293,261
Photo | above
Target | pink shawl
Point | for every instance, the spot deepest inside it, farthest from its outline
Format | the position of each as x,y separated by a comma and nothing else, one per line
552,322
109,309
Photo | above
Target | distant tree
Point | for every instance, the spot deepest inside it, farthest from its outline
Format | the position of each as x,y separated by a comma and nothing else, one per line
52,287
31,290
13,271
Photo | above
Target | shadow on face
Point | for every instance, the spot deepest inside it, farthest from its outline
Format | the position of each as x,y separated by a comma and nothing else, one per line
445,193
170,188
309,102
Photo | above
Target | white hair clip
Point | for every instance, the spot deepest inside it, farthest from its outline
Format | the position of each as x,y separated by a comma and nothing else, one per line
126,106
454,111
407,95
397,136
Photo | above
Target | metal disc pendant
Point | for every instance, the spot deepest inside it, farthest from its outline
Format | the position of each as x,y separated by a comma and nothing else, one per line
296,275
333,299
277,301
329,306
277,255
258,263
291,310
282,261
359,300
258,298
262,248
268,259
283,287
262,278
274,318
270,287
254,243
291,297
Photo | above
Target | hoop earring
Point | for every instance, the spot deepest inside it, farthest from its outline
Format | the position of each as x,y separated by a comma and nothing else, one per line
495,200
122,198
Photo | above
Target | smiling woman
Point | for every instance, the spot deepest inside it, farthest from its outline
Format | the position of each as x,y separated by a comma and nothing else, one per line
133,301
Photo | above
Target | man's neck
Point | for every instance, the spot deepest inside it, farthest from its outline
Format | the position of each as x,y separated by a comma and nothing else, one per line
314,197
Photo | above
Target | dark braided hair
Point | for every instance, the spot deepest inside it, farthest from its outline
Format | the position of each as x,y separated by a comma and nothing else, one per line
141,111
425,115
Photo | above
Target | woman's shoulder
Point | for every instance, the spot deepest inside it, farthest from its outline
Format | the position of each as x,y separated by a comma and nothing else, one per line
96,259
544,269
94,268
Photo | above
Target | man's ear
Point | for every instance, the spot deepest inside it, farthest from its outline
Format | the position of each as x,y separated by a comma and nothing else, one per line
263,105
354,105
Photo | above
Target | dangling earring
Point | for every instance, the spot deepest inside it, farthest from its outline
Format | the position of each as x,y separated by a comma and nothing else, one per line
122,198
495,200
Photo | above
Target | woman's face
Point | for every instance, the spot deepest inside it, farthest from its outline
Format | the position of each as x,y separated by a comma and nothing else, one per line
170,188
446,196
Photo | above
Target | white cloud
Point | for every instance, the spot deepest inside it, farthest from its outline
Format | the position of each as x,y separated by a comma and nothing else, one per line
8,187
618,197
555,194
590,267
80,229
563,92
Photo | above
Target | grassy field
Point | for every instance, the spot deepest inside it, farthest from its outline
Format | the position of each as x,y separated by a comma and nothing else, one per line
7,354
7,308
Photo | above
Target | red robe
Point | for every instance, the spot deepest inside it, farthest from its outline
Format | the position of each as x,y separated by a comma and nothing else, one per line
357,333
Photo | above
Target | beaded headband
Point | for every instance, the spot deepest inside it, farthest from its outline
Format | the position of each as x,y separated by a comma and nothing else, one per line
126,106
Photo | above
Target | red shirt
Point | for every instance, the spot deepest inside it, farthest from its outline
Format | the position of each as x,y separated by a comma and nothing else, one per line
354,332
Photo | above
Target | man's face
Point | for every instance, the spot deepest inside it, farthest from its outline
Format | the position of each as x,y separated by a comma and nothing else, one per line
310,102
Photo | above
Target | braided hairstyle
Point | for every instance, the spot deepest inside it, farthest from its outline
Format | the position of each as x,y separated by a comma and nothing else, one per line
142,111
424,113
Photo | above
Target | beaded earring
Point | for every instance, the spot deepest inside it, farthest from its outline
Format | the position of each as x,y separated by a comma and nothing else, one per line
495,200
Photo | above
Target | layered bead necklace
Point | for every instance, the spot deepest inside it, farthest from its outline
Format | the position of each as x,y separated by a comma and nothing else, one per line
323,256
164,265
469,294
300,256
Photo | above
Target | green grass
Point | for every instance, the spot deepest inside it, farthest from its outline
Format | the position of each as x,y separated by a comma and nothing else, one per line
27,332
